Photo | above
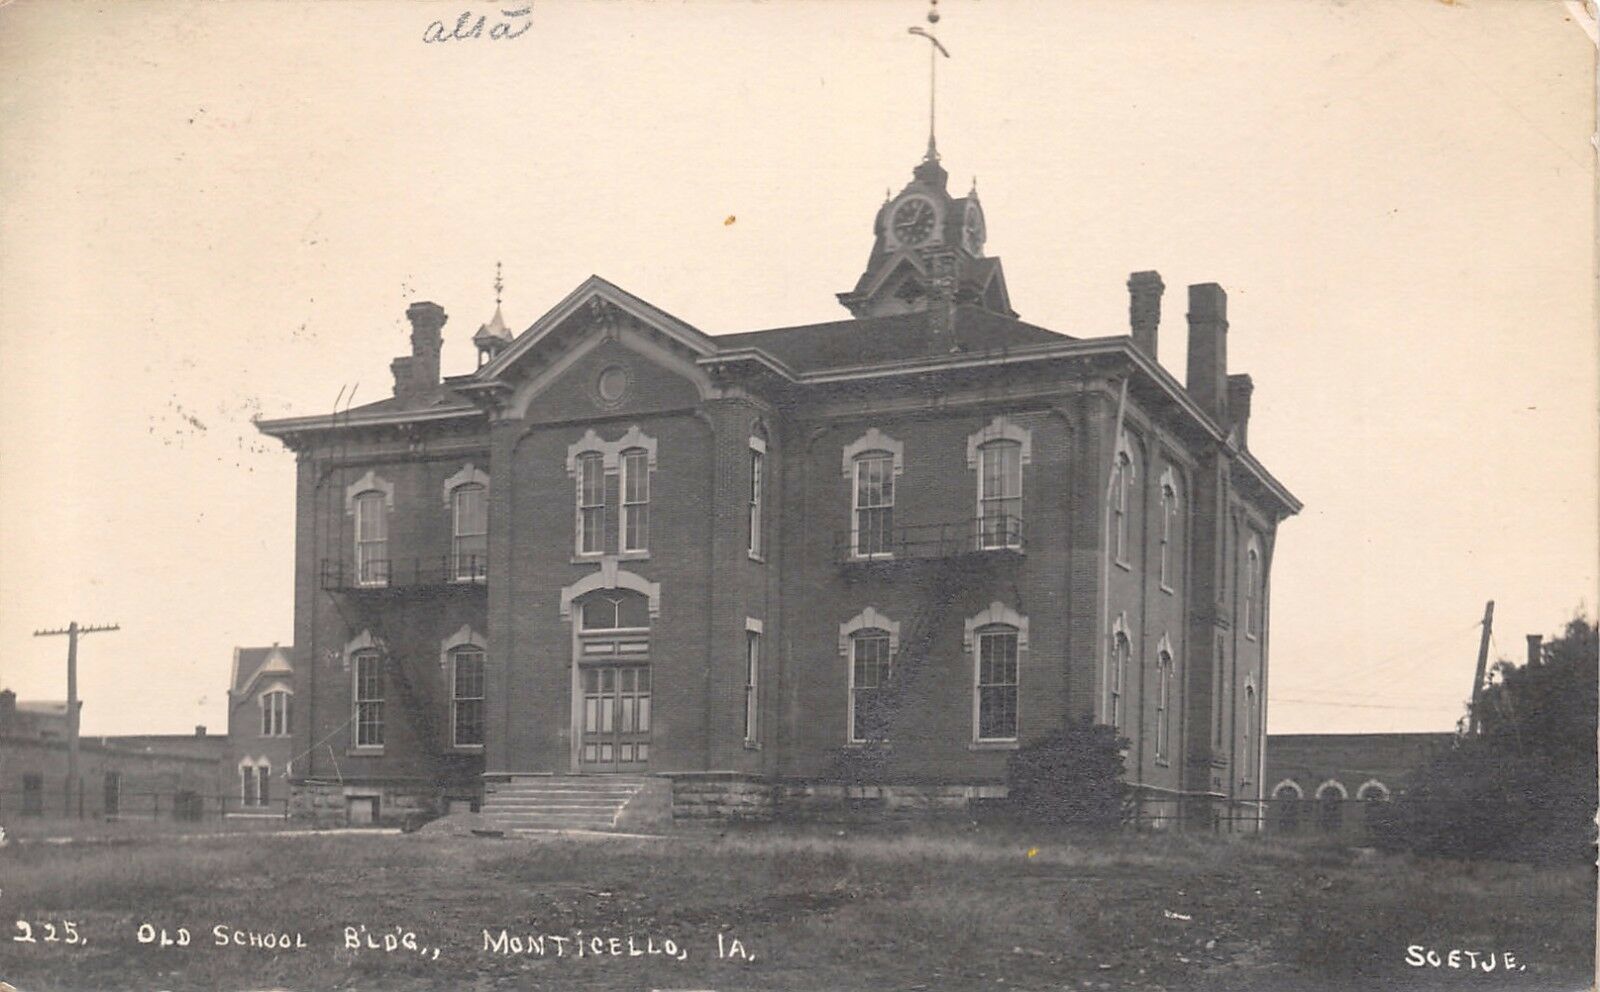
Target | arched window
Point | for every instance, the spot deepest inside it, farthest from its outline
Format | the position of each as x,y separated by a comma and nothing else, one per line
1247,761
466,696
372,538
1252,590
614,609
367,670
1117,673
1170,555
758,473
275,713
591,503
1164,683
1000,494
635,500
872,525
1286,798
1121,485
871,669
1330,806
255,782
469,507
997,682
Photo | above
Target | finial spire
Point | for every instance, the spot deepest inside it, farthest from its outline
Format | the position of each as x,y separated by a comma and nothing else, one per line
499,284
933,76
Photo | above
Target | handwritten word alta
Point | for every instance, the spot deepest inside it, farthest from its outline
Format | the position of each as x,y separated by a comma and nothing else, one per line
466,28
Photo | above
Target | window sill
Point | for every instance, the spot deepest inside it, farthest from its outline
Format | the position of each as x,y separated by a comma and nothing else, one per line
752,745
1010,745
639,554
364,752
757,558
585,557
467,748
1168,589
1122,564
863,745
1163,762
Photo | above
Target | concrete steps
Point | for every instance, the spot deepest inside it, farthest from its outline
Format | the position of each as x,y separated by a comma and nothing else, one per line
532,803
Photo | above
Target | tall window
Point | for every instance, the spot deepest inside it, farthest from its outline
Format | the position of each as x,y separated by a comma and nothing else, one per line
752,682
1252,583
758,458
1247,765
1121,483
1169,519
870,671
255,783
997,684
1000,494
369,699
635,500
1220,680
874,504
469,506
591,503
111,798
372,539
1163,706
275,713
466,716
1121,649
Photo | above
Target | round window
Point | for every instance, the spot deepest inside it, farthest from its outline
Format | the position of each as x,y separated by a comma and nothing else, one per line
613,383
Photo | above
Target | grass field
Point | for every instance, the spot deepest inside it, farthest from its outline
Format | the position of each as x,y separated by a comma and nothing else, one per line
923,909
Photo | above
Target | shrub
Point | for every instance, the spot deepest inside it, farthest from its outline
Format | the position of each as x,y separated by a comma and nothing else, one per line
1072,776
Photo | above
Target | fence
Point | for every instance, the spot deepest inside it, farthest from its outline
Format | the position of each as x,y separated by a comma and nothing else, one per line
175,805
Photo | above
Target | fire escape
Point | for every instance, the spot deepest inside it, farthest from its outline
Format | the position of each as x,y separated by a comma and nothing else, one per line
938,563
397,600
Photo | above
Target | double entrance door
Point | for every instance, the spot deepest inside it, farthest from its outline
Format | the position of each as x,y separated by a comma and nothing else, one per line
615,720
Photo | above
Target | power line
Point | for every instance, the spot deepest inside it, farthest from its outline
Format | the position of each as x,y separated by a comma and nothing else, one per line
1371,668
1363,706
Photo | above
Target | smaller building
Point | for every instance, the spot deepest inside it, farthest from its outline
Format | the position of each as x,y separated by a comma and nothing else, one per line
260,729
1323,783
146,776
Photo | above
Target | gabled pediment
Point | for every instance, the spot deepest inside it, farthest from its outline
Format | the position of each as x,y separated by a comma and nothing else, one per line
276,663
593,308
597,314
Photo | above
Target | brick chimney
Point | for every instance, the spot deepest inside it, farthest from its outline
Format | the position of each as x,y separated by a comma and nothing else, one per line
8,708
199,730
1535,649
1144,309
1240,386
1208,349
417,373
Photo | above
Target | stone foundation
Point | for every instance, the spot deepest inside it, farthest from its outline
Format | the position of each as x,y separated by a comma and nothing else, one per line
732,796
717,796
341,804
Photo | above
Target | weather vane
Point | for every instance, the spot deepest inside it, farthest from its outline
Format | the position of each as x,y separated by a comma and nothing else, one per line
933,70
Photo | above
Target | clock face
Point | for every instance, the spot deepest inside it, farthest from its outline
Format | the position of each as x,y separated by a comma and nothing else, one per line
913,221
972,229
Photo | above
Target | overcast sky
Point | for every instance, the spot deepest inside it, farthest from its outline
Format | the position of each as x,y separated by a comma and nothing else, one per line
209,212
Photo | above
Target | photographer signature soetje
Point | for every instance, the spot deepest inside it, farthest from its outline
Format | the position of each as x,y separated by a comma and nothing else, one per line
1422,956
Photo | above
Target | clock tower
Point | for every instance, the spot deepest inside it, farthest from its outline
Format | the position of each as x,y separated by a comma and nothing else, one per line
928,248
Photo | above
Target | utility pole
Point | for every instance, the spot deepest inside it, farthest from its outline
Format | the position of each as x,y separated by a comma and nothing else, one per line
73,631
1474,724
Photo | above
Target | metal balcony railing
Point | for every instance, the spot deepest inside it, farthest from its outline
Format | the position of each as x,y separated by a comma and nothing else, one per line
405,573
871,540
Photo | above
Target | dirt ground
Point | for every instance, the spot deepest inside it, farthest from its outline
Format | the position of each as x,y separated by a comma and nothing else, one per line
810,908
